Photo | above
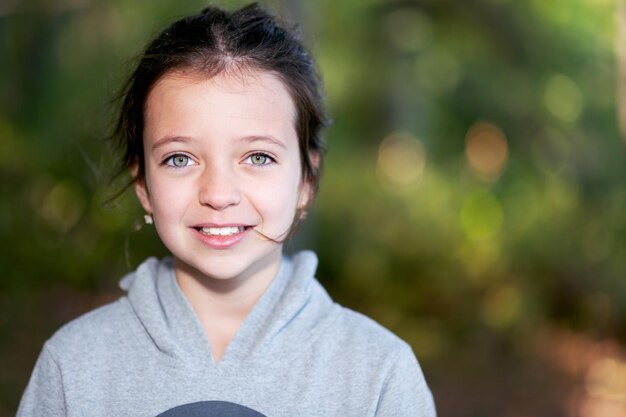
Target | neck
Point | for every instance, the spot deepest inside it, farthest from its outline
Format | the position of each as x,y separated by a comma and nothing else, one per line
222,305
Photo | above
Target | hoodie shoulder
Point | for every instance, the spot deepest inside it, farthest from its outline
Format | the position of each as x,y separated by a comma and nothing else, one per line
93,331
366,332
108,326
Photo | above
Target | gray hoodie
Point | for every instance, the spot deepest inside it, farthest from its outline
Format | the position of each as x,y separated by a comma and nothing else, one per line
296,354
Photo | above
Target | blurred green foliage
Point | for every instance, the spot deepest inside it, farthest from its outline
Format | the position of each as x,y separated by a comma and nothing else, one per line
474,184
517,216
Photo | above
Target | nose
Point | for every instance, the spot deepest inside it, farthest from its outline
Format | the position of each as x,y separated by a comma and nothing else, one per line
218,188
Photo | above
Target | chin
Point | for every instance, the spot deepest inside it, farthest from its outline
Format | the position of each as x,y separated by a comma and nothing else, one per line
229,266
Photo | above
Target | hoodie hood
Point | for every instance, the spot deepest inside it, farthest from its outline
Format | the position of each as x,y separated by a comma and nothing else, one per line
296,354
171,324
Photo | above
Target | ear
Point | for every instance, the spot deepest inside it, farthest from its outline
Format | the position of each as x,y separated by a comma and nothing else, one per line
141,189
306,195
307,190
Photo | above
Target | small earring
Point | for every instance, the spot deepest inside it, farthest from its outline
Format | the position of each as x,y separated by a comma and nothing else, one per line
148,218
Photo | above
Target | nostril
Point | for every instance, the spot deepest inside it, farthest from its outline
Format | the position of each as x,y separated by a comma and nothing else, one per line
219,197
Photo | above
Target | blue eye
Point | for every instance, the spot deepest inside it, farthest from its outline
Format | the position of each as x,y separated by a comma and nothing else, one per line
260,159
178,161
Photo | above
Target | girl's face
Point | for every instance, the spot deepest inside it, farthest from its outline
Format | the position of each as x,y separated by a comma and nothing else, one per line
222,162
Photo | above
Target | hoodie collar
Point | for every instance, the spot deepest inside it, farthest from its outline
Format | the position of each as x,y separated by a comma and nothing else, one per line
171,324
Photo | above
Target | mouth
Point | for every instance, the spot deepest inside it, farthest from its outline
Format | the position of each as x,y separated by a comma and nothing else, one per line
222,231
221,237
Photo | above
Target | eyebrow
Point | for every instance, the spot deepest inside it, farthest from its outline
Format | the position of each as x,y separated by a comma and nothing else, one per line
249,139
170,139
267,139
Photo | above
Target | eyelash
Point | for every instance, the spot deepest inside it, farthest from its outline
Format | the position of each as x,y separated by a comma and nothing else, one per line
270,160
170,164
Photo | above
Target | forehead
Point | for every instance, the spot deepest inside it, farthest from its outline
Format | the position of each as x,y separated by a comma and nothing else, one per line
247,96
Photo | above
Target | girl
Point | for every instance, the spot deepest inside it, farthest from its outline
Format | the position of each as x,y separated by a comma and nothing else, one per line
220,128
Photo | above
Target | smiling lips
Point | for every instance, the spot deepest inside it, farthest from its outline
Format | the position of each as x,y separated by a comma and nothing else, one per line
221,237
221,231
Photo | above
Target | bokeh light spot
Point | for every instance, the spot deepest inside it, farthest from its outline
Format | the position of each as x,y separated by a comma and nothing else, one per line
563,98
606,379
62,207
486,150
481,216
502,306
479,260
401,159
552,11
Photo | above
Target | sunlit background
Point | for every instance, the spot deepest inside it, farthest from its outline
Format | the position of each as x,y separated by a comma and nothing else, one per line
474,197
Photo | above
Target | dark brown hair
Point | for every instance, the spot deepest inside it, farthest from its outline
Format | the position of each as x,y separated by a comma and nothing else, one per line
215,41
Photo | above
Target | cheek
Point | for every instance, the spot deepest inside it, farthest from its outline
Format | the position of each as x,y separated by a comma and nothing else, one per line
170,198
277,201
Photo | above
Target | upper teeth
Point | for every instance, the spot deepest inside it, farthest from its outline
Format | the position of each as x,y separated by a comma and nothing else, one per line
222,231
